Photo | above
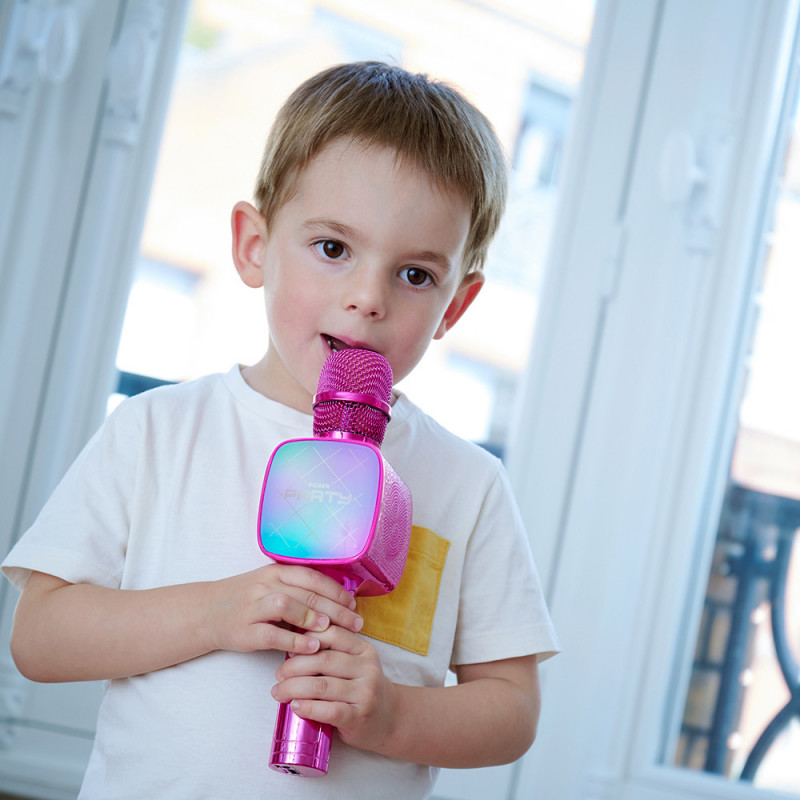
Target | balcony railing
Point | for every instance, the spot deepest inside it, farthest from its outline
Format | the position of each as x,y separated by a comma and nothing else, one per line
750,570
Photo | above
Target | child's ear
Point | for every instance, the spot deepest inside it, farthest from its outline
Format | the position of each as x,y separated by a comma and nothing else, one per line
466,293
249,232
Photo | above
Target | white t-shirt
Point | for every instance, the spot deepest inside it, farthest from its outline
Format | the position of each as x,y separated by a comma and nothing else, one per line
168,491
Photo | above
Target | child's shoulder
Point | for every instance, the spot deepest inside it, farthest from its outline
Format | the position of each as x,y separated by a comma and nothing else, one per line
169,400
431,440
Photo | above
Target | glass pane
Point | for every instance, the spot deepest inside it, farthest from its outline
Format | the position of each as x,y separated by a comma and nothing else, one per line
742,715
520,61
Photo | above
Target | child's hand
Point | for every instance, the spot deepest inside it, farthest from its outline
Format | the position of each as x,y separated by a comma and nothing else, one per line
343,684
254,611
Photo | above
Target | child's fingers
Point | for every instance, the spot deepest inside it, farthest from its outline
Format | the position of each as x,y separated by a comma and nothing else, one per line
273,637
342,670
317,687
336,714
311,612
327,663
285,607
341,654
308,600
342,684
315,582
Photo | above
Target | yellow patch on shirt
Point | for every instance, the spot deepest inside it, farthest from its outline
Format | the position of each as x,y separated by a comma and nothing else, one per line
404,617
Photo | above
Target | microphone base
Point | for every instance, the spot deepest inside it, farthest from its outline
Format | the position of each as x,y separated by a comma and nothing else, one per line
300,747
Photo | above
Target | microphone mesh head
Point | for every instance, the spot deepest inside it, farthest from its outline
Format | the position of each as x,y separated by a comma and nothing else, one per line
360,372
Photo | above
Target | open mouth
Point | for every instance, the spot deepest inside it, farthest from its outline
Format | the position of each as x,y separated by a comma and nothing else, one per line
334,343
341,344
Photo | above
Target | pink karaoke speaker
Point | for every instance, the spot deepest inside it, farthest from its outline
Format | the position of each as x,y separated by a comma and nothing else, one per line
332,502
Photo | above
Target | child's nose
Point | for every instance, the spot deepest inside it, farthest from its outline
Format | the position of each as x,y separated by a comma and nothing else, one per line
365,295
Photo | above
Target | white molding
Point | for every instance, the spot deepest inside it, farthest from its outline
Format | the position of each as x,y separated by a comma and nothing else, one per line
118,183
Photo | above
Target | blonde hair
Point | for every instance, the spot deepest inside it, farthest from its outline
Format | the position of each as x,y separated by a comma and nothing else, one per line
424,121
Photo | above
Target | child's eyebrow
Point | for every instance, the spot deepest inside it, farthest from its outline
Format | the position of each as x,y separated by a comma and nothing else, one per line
432,257
331,224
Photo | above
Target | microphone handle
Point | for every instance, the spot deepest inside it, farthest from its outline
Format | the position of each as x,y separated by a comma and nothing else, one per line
302,746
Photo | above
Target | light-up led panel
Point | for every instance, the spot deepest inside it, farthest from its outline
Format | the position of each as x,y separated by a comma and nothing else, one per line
319,500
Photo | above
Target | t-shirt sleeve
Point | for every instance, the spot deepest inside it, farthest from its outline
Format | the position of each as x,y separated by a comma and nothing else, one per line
502,611
81,533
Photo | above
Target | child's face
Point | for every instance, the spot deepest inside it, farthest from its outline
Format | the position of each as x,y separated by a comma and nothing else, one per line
364,253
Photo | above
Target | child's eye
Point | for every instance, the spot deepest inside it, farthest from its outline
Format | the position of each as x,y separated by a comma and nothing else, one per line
330,248
415,276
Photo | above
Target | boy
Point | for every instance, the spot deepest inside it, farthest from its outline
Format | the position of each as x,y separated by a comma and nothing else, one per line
378,194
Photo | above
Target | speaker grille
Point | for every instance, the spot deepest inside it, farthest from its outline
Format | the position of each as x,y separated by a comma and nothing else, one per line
360,372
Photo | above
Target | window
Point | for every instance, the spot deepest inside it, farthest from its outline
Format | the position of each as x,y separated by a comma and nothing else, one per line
643,476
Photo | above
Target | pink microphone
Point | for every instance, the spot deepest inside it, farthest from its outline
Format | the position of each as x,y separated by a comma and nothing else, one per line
332,502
